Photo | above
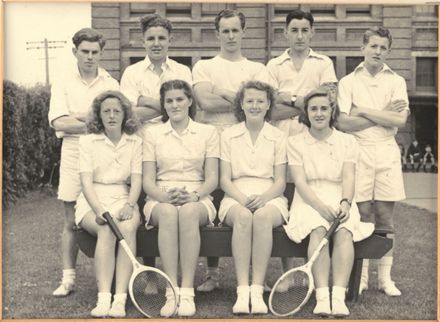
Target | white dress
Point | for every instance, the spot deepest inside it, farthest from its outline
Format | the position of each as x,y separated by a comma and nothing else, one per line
322,162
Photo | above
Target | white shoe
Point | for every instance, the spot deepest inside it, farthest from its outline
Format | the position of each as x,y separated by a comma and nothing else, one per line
101,310
257,303
169,308
187,307
117,310
389,288
63,290
339,309
209,285
363,286
322,307
241,305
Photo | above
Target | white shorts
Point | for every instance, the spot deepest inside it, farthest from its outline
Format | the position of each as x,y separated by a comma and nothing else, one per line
379,172
70,184
250,186
190,187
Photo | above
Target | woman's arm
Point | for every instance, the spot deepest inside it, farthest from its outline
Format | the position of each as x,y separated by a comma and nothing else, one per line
348,181
90,194
227,186
309,196
149,182
133,196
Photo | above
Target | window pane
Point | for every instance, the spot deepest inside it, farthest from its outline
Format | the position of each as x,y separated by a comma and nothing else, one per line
426,73
351,63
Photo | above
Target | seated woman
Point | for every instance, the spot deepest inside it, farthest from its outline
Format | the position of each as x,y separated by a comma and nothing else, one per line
180,170
253,171
110,156
323,163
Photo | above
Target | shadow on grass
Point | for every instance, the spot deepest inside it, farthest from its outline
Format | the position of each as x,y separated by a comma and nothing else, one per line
32,258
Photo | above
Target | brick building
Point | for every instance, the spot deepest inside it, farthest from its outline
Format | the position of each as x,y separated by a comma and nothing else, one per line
339,30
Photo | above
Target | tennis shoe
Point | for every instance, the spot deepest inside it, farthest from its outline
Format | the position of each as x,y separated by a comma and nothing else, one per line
241,305
101,310
322,307
63,290
389,288
209,285
257,303
363,286
339,309
169,308
187,306
117,310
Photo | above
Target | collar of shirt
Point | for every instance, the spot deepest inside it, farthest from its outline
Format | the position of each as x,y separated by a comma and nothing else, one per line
286,57
309,139
267,131
102,73
385,69
125,138
149,65
191,128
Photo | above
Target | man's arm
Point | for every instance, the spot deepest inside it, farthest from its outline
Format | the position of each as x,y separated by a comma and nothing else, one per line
208,101
69,125
349,123
283,108
394,115
145,113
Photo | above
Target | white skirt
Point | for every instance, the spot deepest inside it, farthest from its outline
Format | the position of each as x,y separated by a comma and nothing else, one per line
253,186
303,218
113,197
190,187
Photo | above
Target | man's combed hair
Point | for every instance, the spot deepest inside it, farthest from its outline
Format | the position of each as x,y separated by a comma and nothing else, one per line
155,20
299,15
259,86
130,123
90,35
177,84
378,31
228,13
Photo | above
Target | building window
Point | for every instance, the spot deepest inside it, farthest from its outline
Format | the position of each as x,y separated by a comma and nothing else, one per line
358,11
323,10
178,10
351,63
426,74
283,10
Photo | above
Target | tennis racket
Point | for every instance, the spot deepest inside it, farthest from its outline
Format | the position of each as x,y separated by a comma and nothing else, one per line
284,302
148,303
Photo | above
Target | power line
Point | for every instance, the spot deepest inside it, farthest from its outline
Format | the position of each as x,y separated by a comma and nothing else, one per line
45,45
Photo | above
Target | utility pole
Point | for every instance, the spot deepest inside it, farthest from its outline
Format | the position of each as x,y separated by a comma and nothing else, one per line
45,45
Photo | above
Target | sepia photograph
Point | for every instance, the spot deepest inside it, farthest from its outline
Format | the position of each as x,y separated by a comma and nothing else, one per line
219,160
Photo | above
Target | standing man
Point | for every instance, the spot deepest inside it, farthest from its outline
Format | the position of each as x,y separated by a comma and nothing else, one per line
374,104
141,81
71,98
216,83
295,73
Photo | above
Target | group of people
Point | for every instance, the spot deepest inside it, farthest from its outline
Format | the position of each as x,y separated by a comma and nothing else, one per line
261,132
414,159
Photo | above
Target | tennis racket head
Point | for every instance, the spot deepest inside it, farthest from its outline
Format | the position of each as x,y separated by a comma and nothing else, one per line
149,289
291,291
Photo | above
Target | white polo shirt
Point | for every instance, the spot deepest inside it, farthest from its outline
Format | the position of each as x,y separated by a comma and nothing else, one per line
316,70
363,90
140,80
229,75
70,94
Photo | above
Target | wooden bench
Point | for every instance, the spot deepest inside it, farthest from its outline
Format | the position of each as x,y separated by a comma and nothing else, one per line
216,242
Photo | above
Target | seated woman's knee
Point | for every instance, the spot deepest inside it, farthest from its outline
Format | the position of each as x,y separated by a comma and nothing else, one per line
243,218
262,218
343,235
318,232
104,233
167,214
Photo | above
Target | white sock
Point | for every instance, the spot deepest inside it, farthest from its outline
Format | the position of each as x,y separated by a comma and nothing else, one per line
322,293
120,297
104,298
69,276
365,266
338,292
384,266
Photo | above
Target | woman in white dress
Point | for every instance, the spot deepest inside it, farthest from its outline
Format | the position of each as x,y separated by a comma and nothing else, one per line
323,163
180,170
110,156
253,177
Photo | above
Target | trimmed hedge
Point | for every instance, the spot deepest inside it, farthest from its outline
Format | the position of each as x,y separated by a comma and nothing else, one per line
30,149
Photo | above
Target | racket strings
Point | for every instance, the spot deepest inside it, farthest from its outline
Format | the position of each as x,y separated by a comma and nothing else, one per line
149,292
290,293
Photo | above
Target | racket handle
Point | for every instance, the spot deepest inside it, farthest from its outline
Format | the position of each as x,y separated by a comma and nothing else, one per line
332,228
112,225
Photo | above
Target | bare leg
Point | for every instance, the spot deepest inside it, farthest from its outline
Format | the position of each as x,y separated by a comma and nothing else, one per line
321,267
342,257
68,242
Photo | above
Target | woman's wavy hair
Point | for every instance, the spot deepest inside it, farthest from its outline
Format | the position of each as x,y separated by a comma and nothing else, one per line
259,86
177,84
327,90
130,123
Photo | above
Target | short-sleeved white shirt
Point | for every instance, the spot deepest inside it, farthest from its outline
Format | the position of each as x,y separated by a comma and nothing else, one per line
70,94
316,70
140,79
108,163
229,75
253,160
180,157
322,159
363,90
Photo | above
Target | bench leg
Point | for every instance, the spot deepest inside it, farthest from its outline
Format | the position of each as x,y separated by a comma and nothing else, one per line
149,261
355,280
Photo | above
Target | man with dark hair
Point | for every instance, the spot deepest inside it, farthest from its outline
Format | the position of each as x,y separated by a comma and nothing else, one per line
295,73
216,83
374,103
71,99
141,81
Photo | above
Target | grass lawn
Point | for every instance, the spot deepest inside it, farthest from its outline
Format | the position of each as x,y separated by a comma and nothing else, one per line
32,259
